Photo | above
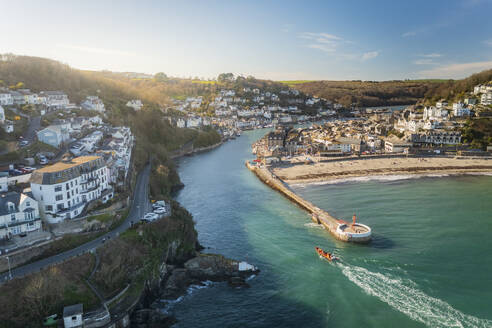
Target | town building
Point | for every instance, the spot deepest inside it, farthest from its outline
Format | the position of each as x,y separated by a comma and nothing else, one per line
63,190
93,103
72,316
486,98
136,104
19,214
6,99
393,144
54,98
54,135
437,137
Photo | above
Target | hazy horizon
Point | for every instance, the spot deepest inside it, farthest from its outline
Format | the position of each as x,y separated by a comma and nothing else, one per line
288,40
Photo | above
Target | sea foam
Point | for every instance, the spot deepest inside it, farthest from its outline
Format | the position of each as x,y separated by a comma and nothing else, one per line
383,178
404,296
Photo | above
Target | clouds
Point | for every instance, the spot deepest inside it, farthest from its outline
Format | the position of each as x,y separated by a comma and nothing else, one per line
99,51
322,41
336,46
369,55
432,55
408,34
456,71
487,42
428,59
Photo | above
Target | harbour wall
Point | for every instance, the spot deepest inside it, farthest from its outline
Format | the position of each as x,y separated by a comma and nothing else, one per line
318,215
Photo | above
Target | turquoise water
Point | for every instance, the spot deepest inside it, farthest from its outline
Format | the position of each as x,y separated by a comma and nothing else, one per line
429,264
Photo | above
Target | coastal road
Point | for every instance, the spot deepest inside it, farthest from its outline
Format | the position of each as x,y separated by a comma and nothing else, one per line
140,205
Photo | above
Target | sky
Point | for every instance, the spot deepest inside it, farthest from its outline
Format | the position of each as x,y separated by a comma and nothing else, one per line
278,40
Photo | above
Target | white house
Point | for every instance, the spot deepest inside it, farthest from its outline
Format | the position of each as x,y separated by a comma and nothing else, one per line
7,125
486,98
18,98
194,122
93,103
6,99
54,135
54,98
395,145
441,104
19,213
460,110
181,123
64,189
72,316
434,113
136,104
29,97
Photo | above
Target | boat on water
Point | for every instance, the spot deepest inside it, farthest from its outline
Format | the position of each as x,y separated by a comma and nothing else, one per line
326,255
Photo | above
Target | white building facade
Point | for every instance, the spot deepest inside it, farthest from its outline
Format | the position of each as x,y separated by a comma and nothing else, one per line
63,190
19,214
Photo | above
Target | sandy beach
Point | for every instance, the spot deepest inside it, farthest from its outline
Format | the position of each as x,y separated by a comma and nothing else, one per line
324,171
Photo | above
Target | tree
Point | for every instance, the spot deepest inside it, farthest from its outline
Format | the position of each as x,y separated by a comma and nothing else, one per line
225,77
161,77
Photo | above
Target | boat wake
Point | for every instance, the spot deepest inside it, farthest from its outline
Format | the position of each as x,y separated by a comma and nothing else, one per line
403,295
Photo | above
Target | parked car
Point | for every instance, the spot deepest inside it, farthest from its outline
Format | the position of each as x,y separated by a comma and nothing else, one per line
43,160
29,169
23,143
160,210
149,217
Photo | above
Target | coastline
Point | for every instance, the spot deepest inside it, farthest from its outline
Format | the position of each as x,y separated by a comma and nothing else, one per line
192,151
383,167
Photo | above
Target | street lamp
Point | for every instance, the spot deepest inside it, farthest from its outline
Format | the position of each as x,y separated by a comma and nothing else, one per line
10,271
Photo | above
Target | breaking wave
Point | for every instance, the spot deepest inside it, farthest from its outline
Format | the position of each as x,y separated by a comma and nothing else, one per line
169,304
313,225
383,178
403,295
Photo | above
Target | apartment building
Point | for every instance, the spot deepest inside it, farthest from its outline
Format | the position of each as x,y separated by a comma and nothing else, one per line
64,189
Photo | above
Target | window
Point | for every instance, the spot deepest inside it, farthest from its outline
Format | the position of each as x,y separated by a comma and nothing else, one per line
71,183
68,203
12,217
28,204
49,208
68,194
58,188
67,186
59,207
40,188
59,197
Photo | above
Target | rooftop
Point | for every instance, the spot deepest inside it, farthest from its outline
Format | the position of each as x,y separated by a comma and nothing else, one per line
61,166
66,170
71,310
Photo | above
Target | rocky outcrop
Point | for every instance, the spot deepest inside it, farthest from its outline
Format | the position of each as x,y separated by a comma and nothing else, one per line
174,280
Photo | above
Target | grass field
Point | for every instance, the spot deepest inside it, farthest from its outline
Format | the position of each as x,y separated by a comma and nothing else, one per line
294,82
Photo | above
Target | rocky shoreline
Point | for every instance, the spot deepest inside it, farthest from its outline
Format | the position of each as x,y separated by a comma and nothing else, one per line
174,281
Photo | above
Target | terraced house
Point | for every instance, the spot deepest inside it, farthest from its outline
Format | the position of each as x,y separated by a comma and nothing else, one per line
19,214
65,189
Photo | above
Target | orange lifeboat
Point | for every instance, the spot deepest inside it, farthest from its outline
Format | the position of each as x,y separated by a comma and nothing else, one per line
328,256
